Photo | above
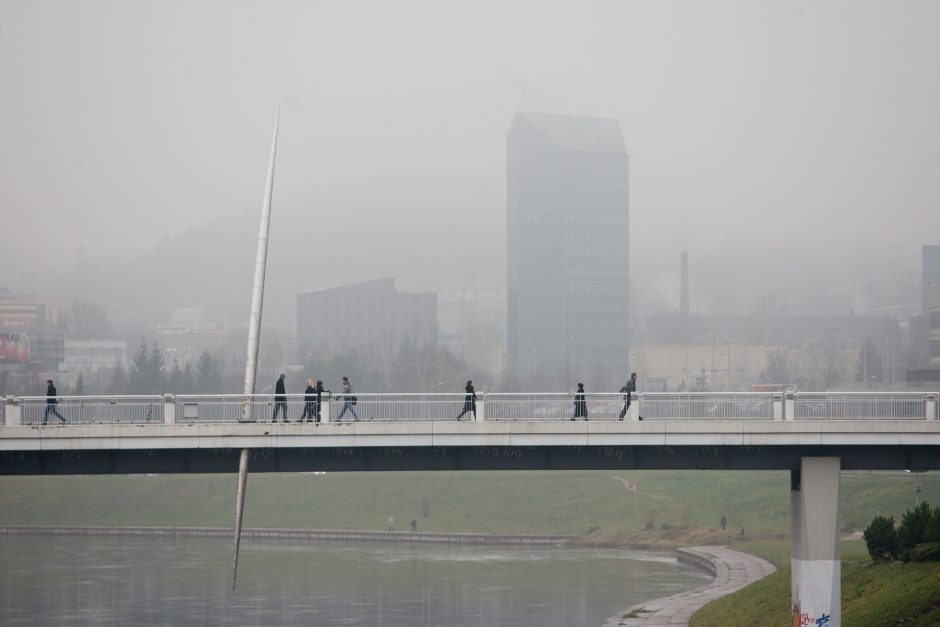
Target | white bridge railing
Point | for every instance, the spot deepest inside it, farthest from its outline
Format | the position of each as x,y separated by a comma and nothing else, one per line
544,407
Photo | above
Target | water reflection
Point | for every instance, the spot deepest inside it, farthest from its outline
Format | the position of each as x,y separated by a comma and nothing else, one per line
187,581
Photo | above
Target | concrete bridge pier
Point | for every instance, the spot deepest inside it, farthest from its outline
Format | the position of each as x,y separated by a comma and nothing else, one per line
816,569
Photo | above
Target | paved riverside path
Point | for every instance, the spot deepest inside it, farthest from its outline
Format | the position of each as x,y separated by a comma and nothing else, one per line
733,571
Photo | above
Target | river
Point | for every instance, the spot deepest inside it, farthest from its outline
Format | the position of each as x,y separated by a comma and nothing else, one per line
91,580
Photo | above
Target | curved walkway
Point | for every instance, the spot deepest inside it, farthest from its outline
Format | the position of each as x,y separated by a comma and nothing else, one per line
733,570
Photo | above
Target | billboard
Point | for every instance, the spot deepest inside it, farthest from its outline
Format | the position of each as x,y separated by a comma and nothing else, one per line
14,348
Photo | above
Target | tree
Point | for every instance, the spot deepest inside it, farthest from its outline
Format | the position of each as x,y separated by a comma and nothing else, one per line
932,529
148,373
208,375
140,369
881,538
79,389
156,370
174,378
87,320
911,529
119,383
778,368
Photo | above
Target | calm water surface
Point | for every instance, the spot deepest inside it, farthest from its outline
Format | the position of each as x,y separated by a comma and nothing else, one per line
54,580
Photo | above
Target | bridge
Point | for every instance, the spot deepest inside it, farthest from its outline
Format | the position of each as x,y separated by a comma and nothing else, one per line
203,433
812,435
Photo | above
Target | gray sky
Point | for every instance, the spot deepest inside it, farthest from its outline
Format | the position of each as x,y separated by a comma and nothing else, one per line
777,142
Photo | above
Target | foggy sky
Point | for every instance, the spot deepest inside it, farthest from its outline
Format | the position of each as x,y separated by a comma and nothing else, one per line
780,143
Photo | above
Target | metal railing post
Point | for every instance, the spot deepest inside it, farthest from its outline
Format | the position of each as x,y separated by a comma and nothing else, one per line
778,406
930,407
326,408
635,407
169,409
12,415
481,412
789,405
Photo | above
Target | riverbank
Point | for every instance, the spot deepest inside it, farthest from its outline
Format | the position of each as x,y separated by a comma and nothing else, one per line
324,535
732,570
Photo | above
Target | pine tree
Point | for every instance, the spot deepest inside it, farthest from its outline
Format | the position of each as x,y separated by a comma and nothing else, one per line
208,375
79,386
156,371
140,370
174,380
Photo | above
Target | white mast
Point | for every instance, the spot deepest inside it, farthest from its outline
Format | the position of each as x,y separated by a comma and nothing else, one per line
254,336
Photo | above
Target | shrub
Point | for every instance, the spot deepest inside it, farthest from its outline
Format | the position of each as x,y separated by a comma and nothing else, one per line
881,538
926,552
932,530
911,529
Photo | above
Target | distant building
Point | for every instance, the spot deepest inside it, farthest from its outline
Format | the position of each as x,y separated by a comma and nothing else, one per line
94,355
568,252
366,315
930,270
721,353
25,333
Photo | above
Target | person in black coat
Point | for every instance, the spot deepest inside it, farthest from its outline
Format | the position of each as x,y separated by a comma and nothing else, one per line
310,401
470,401
628,389
51,403
280,399
580,404
319,390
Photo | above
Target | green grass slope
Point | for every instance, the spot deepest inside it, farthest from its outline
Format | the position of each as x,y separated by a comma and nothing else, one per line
566,502
872,594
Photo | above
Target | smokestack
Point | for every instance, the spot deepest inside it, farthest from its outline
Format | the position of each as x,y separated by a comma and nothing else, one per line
684,287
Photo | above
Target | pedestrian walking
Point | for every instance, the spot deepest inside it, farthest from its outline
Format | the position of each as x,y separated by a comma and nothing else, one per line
723,522
391,523
414,525
580,404
310,401
280,399
628,391
319,390
470,401
51,403
348,401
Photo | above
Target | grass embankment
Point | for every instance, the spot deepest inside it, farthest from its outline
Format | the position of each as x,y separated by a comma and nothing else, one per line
594,504
872,594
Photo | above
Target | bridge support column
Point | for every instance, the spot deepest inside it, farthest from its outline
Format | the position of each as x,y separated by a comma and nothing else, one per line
816,569
169,409
12,412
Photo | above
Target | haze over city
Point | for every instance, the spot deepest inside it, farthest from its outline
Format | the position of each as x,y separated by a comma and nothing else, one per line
789,147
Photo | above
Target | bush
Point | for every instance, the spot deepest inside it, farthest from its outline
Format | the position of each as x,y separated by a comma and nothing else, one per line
926,552
911,529
881,538
932,530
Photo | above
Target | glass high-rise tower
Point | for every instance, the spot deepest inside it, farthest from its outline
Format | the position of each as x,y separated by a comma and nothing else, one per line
568,253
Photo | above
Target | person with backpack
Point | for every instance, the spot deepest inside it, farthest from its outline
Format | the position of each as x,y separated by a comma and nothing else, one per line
51,403
310,400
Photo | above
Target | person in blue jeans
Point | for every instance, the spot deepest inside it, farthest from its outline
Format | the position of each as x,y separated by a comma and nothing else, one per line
348,400
51,403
